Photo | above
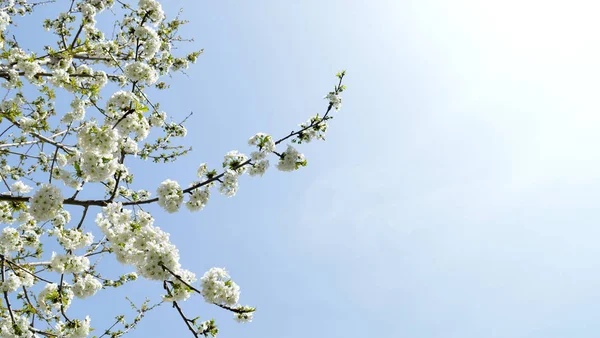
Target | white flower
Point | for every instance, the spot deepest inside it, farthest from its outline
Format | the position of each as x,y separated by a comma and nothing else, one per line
234,160
20,188
86,286
78,113
11,283
65,176
122,107
259,168
61,159
69,263
291,160
154,10
129,146
138,242
49,298
63,217
20,329
46,203
6,213
27,124
335,100
264,143
59,78
72,239
119,102
157,119
134,123
170,196
4,20
100,79
26,220
140,71
30,238
198,199
314,128
202,170
245,317
76,329
101,140
230,183
96,167
27,279
150,41
14,80
87,10
31,69
179,291
106,49
10,240
218,288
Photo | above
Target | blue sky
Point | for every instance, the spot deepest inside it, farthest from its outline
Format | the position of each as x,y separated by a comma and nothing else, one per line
456,194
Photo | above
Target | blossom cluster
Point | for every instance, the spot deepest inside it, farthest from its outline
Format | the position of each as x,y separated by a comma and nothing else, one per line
46,203
170,196
136,241
218,288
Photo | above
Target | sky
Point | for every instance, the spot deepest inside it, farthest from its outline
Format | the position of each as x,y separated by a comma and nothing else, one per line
456,193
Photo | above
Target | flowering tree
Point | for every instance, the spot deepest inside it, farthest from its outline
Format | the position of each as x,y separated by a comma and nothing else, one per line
49,154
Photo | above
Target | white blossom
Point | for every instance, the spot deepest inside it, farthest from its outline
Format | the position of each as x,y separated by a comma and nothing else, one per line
234,160
230,183
101,140
66,176
72,239
218,288
6,213
27,279
49,298
157,119
4,20
141,72
78,113
138,242
86,286
27,124
59,78
150,41
75,329
179,291
291,160
10,241
198,199
154,10
14,80
202,170
245,317
69,263
11,283
264,143
20,329
30,69
170,196
96,167
20,188
119,102
259,168
335,100
62,217
46,203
